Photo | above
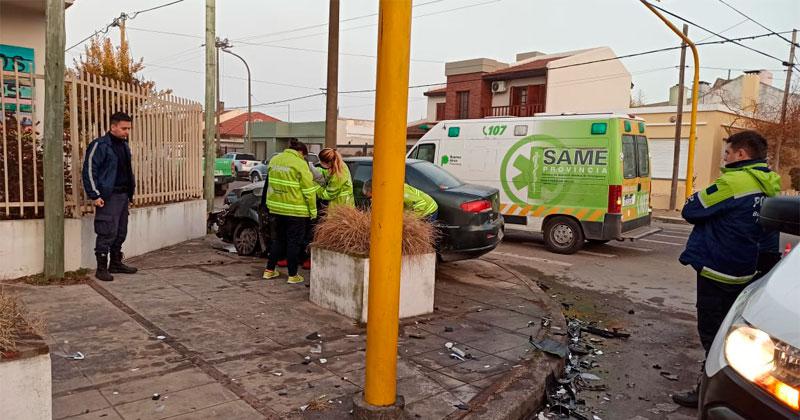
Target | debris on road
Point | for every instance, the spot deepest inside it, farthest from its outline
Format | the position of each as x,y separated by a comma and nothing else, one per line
664,408
323,361
156,397
75,356
462,406
313,336
457,351
669,375
417,336
602,332
317,349
590,377
448,329
550,347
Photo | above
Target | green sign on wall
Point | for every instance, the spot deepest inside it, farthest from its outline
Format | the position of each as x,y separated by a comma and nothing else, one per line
19,59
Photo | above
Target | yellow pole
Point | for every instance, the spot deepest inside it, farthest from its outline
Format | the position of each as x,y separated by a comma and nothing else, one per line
689,187
391,107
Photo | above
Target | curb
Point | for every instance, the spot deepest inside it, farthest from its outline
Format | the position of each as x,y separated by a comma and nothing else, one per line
521,392
670,219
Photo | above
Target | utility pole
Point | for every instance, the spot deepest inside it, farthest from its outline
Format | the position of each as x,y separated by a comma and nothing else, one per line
54,141
211,105
217,111
676,155
789,64
391,110
332,92
226,48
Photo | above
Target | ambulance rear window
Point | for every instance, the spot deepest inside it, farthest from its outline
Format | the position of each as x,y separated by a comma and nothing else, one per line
628,157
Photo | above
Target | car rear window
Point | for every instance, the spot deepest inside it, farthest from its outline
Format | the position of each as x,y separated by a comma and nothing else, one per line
245,156
437,175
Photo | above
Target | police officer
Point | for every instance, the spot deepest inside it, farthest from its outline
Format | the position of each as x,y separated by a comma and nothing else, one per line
109,183
723,247
291,197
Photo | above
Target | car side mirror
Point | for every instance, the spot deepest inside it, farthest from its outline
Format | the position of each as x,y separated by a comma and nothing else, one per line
781,214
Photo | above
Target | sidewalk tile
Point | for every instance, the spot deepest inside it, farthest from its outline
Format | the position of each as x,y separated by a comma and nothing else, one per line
104,414
497,342
435,407
418,388
474,370
141,389
79,403
503,318
238,410
443,380
173,404
465,393
298,395
440,358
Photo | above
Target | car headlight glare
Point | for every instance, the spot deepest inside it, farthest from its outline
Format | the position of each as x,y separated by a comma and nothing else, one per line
750,352
769,365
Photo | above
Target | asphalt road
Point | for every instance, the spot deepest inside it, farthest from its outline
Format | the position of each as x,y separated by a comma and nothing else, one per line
640,287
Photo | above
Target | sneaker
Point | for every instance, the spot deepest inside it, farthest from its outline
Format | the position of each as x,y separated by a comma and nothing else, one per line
295,279
271,274
283,263
690,399
307,265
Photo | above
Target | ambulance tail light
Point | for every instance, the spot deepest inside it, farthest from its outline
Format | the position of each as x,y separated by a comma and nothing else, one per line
478,206
615,198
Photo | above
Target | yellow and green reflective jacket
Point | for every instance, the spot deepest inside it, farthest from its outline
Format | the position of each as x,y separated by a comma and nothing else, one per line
291,190
338,189
417,201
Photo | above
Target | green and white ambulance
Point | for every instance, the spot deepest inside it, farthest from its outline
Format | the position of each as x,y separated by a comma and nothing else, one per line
571,177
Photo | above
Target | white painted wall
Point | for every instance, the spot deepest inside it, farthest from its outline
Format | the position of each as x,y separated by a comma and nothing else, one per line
340,282
504,98
432,101
26,389
149,229
598,87
352,131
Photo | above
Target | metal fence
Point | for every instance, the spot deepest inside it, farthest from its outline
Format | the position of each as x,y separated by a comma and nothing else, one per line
166,143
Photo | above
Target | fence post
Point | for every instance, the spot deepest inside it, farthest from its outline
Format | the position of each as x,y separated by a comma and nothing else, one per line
54,142
75,151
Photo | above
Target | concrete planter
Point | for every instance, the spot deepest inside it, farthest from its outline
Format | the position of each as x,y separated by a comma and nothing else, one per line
26,385
340,282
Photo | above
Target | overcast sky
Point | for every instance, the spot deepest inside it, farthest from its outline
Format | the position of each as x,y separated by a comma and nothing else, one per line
290,60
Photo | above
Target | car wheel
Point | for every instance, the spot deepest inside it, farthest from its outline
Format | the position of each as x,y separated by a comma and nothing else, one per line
245,239
255,177
563,235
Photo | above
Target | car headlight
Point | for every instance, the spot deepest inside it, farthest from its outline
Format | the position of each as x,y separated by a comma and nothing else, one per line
770,364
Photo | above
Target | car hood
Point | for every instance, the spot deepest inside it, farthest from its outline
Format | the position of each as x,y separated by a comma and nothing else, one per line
773,307
253,186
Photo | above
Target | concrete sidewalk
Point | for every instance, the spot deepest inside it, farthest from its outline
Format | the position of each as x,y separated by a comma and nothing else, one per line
201,329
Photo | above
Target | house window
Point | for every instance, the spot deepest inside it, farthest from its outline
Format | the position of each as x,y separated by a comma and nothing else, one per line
462,104
440,111
519,96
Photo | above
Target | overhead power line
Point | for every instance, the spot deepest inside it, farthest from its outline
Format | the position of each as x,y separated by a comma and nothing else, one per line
322,25
116,21
755,21
717,34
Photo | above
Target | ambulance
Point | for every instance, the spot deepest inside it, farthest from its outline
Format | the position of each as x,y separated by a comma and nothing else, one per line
574,178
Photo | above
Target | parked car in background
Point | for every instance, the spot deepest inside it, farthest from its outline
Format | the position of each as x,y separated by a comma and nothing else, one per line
244,163
468,218
259,172
753,368
224,174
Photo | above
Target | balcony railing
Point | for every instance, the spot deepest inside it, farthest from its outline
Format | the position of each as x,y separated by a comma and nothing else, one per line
513,110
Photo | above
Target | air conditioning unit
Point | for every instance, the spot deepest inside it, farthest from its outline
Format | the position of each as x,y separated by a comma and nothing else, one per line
498,86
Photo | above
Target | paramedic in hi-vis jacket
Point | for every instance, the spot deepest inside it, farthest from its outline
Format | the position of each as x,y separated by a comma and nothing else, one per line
724,245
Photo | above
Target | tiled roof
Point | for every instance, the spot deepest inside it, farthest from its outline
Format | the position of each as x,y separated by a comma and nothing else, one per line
529,67
235,127
436,92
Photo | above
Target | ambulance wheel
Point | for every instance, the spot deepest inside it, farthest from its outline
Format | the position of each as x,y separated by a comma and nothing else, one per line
563,235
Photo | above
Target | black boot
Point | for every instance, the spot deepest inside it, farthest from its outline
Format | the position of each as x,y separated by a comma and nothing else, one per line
102,268
690,399
117,266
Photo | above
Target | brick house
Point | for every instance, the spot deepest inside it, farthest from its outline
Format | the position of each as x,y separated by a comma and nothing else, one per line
535,83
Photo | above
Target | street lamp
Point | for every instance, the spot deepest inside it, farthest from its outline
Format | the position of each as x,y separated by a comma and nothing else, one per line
249,98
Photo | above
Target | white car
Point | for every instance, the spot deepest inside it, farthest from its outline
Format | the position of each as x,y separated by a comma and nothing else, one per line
753,368
244,163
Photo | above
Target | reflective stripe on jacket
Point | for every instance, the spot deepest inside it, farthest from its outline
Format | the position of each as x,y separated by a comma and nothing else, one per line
291,190
417,201
339,188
